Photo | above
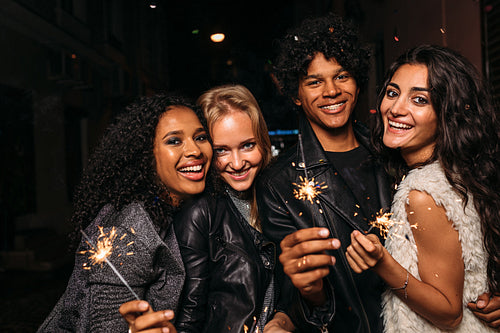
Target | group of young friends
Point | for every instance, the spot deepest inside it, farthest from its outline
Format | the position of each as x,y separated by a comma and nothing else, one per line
192,191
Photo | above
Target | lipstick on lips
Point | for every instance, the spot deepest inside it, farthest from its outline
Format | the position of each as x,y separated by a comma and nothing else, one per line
398,126
193,170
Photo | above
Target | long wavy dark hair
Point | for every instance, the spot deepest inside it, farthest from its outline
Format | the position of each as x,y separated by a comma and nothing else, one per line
331,35
122,169
467,141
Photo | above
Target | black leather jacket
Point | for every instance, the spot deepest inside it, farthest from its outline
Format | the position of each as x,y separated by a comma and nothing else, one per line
355,306
226,279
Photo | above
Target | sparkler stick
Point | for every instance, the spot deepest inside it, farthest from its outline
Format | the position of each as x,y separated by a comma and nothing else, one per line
302,154
306,189
111,266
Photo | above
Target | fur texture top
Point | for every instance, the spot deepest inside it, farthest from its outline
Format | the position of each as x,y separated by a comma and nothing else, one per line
398,317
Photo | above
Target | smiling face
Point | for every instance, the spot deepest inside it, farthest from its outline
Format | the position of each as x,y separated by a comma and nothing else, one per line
328,95
238,157
410,122
182,152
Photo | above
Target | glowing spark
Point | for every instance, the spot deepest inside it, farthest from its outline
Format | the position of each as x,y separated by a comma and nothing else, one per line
103,250
307,189
384,223
104,246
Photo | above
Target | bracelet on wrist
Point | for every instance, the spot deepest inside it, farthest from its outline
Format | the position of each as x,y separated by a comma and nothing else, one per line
404,285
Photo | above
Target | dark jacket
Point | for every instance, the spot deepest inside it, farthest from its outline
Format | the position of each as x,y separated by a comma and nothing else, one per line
151,265
226,279
355,306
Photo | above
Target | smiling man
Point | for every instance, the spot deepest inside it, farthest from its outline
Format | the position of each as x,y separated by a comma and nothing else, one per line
322,67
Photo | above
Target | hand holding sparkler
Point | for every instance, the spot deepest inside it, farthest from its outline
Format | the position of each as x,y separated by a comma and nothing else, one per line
365,251
140,317
306,262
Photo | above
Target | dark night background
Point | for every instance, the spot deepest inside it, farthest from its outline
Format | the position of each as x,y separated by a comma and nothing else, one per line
67,67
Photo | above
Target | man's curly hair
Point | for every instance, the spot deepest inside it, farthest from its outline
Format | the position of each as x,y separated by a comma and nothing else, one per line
331,35
122,169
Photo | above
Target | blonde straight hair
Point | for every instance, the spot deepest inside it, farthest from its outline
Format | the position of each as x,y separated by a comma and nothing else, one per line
222,100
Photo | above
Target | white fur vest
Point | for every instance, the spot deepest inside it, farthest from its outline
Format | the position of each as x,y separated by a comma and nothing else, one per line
398,317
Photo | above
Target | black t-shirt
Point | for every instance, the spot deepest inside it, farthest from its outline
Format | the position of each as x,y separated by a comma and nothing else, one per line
357,169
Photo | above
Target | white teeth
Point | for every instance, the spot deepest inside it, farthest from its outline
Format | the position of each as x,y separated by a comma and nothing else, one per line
195,168
399,125
332,107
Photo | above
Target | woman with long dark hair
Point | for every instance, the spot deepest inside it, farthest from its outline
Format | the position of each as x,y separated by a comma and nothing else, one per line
439,133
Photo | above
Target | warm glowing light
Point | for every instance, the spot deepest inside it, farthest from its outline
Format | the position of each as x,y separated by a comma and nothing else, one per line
384,223
103,249
218,37
307,189
104,246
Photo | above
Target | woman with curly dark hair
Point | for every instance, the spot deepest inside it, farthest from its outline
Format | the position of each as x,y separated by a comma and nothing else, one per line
156,155
439,132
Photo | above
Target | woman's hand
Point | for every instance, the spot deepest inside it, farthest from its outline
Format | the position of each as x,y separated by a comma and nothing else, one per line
280,323
365,252
141,318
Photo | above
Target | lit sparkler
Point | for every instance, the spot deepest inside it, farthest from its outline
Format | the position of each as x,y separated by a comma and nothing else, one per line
102,250
307,189
383,222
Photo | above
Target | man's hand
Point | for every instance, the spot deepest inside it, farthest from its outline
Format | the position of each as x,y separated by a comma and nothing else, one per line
487,309
305,261
140,317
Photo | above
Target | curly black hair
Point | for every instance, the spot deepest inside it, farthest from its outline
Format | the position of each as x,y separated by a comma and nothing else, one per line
468,139
122,168
330,35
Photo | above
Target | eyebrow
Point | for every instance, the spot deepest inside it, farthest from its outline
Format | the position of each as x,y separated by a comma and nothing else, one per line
177,132
315,76
412,89
172,133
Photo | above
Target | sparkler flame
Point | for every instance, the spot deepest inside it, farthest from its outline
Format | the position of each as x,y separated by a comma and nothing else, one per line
307,189
104,246
102,250
384,223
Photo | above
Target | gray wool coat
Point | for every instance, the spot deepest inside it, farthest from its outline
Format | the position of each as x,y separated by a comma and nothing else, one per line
152,266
